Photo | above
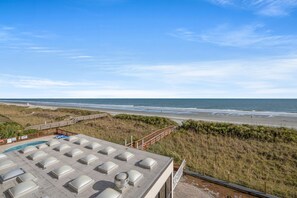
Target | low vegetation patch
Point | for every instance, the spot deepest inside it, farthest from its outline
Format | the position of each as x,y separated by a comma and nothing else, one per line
4,119
152,120
113,129
222,150
78,112
28,116
244,131
9,129
12,129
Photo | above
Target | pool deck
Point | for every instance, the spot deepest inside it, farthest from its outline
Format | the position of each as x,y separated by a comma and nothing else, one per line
7,146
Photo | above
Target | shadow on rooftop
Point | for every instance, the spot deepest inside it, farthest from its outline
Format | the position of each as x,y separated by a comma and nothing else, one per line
100,186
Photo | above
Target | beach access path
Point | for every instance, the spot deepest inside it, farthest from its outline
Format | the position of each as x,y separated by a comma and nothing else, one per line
66,122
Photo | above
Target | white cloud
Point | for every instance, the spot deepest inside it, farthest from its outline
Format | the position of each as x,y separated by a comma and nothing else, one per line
5,34
81,57
13,39
122,93
40,35
262,7
187,73
222,2
254,36
269,77
29,82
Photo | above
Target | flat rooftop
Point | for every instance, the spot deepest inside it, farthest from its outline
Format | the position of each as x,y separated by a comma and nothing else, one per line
51,187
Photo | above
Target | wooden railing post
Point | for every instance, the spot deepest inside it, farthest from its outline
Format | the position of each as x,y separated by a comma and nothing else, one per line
142,144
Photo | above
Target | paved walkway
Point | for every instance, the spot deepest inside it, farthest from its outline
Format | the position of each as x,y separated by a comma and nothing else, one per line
238,188
186,190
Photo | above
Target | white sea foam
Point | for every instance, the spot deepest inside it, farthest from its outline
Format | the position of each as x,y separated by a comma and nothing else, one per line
169,110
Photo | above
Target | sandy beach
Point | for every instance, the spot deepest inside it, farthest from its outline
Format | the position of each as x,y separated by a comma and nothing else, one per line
275,121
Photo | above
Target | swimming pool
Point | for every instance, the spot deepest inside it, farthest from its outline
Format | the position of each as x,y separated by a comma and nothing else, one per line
19,147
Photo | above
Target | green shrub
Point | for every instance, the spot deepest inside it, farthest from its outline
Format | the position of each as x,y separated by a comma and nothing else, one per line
61,118
10,129
153,120
30,131
79,112
262,133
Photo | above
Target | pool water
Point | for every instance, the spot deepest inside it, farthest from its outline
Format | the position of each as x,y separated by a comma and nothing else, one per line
19,147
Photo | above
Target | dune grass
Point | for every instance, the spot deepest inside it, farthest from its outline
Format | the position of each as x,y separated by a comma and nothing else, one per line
248,161
242,131
26,116
4,119
152,120
113,129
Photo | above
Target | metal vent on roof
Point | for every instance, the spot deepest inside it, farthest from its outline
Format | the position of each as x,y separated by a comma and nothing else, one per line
93,145
37,155
148,163
62,171
29,149
134,177
81,141
53,142
107,167
108,150
80,183
88,159
26,177
121,181
125,156
48,162
75,152
6,164
71,138
109,193
24,188
62,147
41,146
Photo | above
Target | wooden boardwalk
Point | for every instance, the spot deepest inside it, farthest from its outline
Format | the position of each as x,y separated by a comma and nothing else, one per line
66,122
153,137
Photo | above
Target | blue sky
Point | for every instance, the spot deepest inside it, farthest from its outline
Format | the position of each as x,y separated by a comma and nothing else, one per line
148,48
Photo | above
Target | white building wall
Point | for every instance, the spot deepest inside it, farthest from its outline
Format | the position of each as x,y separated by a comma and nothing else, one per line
160,182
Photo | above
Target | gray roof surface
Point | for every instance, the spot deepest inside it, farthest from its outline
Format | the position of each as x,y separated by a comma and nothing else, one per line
56,188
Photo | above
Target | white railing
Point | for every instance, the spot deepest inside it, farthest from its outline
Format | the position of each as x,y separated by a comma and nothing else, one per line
178,174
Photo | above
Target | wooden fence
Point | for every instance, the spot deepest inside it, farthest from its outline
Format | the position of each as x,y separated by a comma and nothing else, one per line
66,122
150,139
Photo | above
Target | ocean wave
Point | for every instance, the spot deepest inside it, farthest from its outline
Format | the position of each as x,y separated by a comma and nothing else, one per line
169,110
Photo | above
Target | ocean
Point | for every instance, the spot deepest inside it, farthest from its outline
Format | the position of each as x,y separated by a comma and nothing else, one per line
253,107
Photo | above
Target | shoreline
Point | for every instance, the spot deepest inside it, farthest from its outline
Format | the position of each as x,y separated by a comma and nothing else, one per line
288,122
276,121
